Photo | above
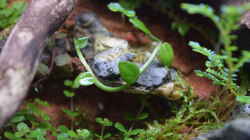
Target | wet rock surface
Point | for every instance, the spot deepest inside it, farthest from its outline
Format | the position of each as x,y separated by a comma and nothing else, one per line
236,130
109,69
154,76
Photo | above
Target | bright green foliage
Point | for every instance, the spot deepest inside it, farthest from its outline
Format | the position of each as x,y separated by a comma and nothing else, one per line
116,7
216,70
202,9
243,99
222,68
127,133
137,23
32,123
9,16
130,72
188,114
131,4
105,123
166,54
181,28
81,42
83,79
68,93
138,117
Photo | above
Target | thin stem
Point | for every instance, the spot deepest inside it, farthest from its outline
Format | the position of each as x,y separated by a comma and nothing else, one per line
150,60
72,109
102,132
96,81
108,88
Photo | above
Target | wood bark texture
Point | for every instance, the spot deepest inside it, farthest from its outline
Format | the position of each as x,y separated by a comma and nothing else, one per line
20,55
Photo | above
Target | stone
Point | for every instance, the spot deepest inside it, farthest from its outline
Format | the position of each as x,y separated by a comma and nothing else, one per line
109,69
238,129
153,76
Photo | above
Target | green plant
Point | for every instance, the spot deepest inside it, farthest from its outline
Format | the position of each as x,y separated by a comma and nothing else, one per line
33,124
127,133
129,71
190,117
9,15
222,68
105,123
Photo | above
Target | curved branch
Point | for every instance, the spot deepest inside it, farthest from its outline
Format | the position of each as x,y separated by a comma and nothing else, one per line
20,55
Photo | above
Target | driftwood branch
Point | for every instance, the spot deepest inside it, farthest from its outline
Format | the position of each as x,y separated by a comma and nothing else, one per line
20,55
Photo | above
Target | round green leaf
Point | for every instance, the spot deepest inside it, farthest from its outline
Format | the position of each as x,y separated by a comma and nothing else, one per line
129,72
120,127
83,79
166,54
81,42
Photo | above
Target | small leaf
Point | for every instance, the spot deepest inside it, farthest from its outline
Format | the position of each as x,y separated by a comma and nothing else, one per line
120,127
107,135
181,28
166,54
116,7
70,113
140,25
142,116
129,71
62,136
134,132
132,117
9,135
37,133
17,119
41,102
84,133
81,42
22,127
68,83
63,129
202,9
86,81
104,121
83,79
68,93
243,99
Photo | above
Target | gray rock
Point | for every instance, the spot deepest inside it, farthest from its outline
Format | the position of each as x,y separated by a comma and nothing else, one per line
153,76
236,130
109,69
241,111
91,24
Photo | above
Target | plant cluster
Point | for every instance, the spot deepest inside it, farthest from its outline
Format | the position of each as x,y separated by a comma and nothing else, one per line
9,15
129,71
223,66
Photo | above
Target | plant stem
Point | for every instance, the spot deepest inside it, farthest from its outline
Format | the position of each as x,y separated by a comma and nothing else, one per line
122,87
96,81
102,132
150,60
